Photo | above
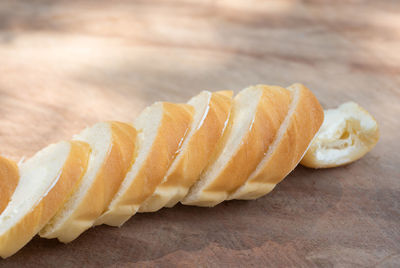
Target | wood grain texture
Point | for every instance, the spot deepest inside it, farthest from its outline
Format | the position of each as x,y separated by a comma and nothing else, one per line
68,64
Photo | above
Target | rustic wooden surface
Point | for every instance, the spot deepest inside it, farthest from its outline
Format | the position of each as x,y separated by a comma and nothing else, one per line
68,64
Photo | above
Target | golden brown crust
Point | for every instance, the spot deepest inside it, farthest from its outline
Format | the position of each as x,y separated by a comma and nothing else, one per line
22,232
173,127
271,110
119,160
226,93
176,120
196,154
303,126
108,179
9,177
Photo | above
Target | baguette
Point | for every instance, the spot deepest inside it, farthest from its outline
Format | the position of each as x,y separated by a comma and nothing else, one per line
162,128
302,122
211,112
257,112
201,153
46,182
9,177
113,152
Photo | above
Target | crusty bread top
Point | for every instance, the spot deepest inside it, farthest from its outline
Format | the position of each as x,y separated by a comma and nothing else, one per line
9,176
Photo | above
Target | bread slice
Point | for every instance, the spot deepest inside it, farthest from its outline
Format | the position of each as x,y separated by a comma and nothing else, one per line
113,153
46,182
9,177
211,112
162,128
257,113
294,136
346,135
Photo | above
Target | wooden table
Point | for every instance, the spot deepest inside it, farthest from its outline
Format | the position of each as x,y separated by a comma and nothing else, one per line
69,64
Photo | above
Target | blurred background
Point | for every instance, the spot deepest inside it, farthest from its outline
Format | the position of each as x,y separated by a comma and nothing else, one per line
68,64
65,65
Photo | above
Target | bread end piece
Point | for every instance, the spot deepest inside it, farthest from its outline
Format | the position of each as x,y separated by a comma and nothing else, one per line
347,134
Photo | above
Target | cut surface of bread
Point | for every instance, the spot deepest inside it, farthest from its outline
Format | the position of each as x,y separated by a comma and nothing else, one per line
162,128
346,135
211,112
257,113
46,181
113,153
302,122
9,176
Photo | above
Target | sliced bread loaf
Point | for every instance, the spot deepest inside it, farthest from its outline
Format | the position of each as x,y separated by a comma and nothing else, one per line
257,113
9,176
113,153
46,182
162,128
211,112
294,137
